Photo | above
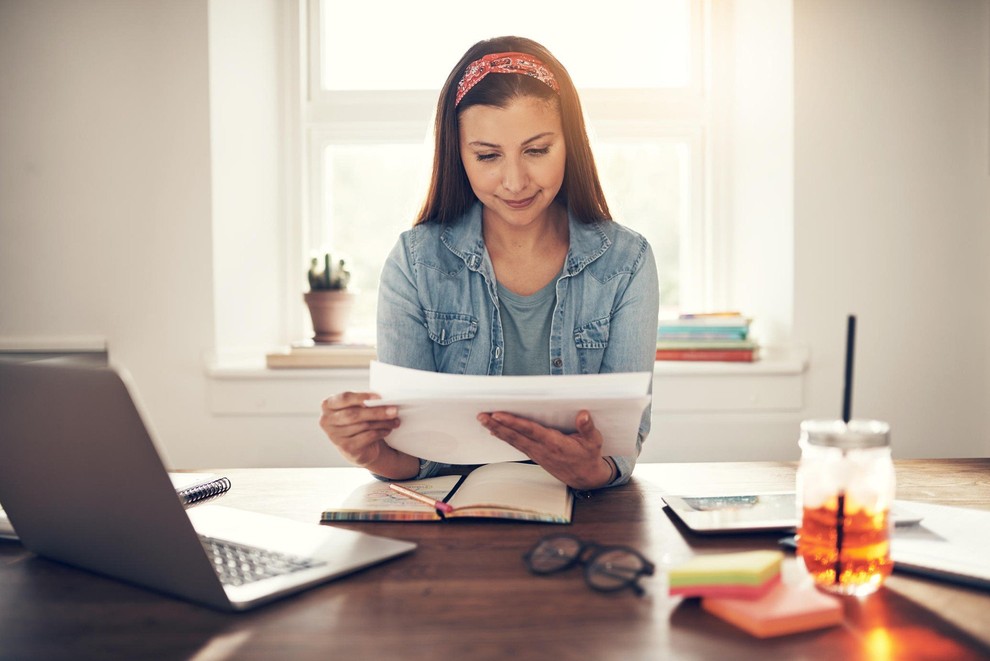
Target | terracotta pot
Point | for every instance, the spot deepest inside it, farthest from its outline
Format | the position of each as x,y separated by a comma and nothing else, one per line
330,311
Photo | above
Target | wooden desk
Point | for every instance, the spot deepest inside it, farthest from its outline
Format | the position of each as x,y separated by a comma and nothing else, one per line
465,593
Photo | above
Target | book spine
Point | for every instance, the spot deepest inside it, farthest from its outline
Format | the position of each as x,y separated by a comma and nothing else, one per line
730,314
499,513
694,336
711,322
720,355
706,345
331,516
317,360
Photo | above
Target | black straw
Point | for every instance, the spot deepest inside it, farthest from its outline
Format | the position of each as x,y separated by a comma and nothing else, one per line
840,514
847,391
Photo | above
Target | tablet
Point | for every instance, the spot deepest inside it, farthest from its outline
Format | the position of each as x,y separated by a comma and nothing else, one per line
749,512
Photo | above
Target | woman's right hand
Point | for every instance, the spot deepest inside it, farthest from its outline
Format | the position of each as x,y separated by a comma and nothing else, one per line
359,432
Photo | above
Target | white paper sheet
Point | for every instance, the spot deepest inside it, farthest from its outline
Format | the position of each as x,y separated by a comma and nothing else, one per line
439,411
949,543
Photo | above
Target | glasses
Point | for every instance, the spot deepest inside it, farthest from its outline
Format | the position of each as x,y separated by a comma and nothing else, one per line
606,568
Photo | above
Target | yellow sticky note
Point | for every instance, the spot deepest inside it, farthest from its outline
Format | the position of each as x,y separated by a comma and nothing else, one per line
751,568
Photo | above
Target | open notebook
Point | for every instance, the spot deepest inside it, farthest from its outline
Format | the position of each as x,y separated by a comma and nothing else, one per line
519,491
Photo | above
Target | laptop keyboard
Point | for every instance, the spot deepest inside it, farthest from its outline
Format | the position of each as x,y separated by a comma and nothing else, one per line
237,564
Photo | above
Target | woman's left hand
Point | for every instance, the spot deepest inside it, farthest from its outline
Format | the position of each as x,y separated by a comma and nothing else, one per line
575,459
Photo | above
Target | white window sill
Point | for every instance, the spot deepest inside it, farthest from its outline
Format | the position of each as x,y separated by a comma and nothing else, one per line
242,385
772,384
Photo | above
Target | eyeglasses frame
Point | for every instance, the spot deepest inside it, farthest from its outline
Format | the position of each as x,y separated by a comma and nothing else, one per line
586,554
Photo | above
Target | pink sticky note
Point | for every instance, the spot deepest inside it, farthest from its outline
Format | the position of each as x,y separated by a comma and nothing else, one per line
787,608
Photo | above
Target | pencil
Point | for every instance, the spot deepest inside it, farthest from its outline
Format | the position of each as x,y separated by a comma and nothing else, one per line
426,500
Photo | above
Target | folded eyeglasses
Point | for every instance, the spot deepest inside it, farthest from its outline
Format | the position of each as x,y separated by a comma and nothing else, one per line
606,568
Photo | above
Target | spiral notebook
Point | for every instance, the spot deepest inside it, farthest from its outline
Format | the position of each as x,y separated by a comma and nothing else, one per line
192,489
195,488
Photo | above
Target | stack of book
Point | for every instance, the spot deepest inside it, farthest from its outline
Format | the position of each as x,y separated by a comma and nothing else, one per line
721,336
314,355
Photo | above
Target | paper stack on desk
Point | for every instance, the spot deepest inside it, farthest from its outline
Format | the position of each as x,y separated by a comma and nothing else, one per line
439,411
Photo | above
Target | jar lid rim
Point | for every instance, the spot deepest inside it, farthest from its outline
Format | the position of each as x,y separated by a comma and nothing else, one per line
846,435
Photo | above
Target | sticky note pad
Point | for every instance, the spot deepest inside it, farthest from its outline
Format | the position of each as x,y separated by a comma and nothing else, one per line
787,608
729,590
745,574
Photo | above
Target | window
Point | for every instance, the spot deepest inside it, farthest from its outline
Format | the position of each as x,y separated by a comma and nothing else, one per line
640,67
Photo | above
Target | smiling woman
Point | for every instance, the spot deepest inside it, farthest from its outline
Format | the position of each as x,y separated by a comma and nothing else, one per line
514,267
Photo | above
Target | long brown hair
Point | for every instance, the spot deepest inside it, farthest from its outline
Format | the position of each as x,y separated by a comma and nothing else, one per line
450,195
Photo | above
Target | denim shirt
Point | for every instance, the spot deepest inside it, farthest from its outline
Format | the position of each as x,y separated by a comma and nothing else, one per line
438,307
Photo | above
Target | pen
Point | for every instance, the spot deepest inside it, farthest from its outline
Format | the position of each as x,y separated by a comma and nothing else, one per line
415,495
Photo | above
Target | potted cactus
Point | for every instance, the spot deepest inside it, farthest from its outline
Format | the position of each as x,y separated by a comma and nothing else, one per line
328,298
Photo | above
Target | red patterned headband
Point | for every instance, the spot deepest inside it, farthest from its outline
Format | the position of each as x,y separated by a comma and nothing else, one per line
520,63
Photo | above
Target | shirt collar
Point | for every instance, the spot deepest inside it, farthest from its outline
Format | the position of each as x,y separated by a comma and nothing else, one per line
464,238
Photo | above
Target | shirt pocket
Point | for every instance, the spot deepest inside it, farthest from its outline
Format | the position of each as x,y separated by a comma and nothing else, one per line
445,328
590,341
593,335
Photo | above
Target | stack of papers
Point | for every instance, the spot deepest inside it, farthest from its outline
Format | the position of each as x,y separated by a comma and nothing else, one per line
439,411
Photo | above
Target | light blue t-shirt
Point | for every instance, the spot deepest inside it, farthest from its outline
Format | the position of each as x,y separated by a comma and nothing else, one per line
526,330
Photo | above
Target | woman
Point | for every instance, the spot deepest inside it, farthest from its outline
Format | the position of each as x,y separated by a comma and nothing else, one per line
514,266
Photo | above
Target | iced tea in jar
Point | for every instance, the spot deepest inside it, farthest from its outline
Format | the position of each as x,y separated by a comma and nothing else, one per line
845,489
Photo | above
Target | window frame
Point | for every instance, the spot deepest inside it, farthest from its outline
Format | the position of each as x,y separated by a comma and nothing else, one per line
686,115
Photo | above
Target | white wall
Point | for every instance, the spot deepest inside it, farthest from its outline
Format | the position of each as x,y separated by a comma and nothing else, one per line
891,216
246,127
106,206
107,192
760,194
105,188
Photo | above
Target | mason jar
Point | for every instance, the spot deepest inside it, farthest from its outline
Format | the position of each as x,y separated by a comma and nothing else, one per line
845,490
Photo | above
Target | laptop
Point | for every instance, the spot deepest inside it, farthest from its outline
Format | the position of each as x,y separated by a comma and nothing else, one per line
83,484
